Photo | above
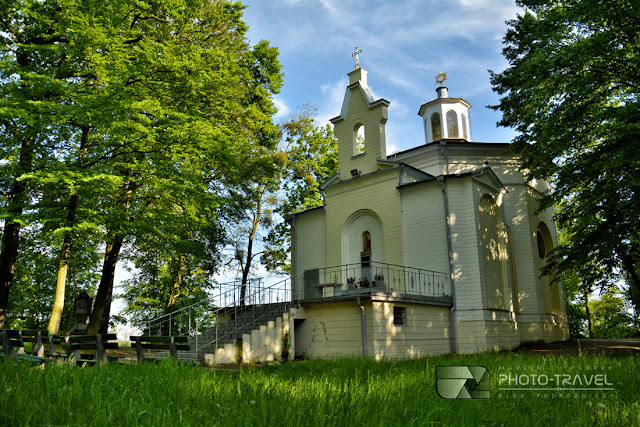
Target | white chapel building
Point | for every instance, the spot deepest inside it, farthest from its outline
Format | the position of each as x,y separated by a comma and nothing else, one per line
436,249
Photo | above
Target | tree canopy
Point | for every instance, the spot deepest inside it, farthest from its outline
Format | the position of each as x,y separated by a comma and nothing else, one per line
571,90
287,181
120,121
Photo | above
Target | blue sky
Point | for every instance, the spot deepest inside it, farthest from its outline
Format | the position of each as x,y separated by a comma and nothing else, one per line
406,44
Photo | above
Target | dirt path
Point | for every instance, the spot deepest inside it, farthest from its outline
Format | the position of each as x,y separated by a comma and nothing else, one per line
610,347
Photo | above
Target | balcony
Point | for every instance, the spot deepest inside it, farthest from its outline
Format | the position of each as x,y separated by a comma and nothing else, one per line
372,278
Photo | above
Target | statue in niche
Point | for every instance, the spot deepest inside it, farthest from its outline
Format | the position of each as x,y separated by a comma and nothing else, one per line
366,242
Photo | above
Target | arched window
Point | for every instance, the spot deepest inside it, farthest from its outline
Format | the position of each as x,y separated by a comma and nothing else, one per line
366,242
463,123
358,139
436,127
542,245
452,124
494,254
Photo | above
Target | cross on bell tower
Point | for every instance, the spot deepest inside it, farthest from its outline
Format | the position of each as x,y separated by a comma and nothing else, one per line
356,54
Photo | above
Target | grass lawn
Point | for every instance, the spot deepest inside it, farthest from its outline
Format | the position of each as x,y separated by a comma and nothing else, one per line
339,392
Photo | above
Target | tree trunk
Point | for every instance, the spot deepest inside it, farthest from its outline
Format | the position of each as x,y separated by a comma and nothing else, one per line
630,268
589,319
65,251
175,293
12,225
246,269
63,267
99,322
254,229
101,313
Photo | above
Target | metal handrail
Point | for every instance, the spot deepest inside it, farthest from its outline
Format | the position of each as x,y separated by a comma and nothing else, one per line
264,296
235,287
262,302
229,302
199,302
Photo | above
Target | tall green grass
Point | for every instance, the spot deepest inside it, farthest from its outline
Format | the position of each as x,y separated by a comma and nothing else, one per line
338,392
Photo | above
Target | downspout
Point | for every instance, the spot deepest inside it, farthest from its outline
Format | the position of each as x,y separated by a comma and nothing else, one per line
364,329
294,273
449,247
443,144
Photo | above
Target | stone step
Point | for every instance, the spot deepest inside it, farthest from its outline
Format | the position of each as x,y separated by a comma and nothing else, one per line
251,318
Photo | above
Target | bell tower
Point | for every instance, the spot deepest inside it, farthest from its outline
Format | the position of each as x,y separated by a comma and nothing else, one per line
444,117
360,127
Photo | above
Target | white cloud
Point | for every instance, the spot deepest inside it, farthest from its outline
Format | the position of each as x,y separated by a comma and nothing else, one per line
392,149
333,10
398,109
283,109
333,95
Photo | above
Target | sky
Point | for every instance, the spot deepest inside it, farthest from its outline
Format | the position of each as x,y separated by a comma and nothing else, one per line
405,45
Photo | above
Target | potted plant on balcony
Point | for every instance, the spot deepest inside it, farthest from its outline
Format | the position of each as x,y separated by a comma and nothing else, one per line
378,280
363,282
351,282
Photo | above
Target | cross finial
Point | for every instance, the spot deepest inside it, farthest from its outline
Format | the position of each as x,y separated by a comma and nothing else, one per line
356,53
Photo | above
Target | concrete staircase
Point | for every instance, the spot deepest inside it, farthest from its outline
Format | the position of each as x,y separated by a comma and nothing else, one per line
253,333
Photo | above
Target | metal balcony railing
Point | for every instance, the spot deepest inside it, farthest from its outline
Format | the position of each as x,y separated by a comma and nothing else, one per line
225,314
370,277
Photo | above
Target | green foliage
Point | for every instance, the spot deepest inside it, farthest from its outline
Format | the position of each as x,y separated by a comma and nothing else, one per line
632,298
284,181
142,111
610,318
286,347
340,392
571,90
609,314
35,281
574,298
312,157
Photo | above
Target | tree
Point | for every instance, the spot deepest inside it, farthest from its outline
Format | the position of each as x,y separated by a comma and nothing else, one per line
152,96
205,93
34,284
312,153
571,91
611,320
33,75
288,182
177,250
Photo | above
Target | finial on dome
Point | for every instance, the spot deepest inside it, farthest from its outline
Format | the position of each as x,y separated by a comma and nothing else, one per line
442,91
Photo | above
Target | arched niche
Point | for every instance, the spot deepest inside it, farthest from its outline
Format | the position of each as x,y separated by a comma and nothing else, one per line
549,288
494,254
362,226
515,295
